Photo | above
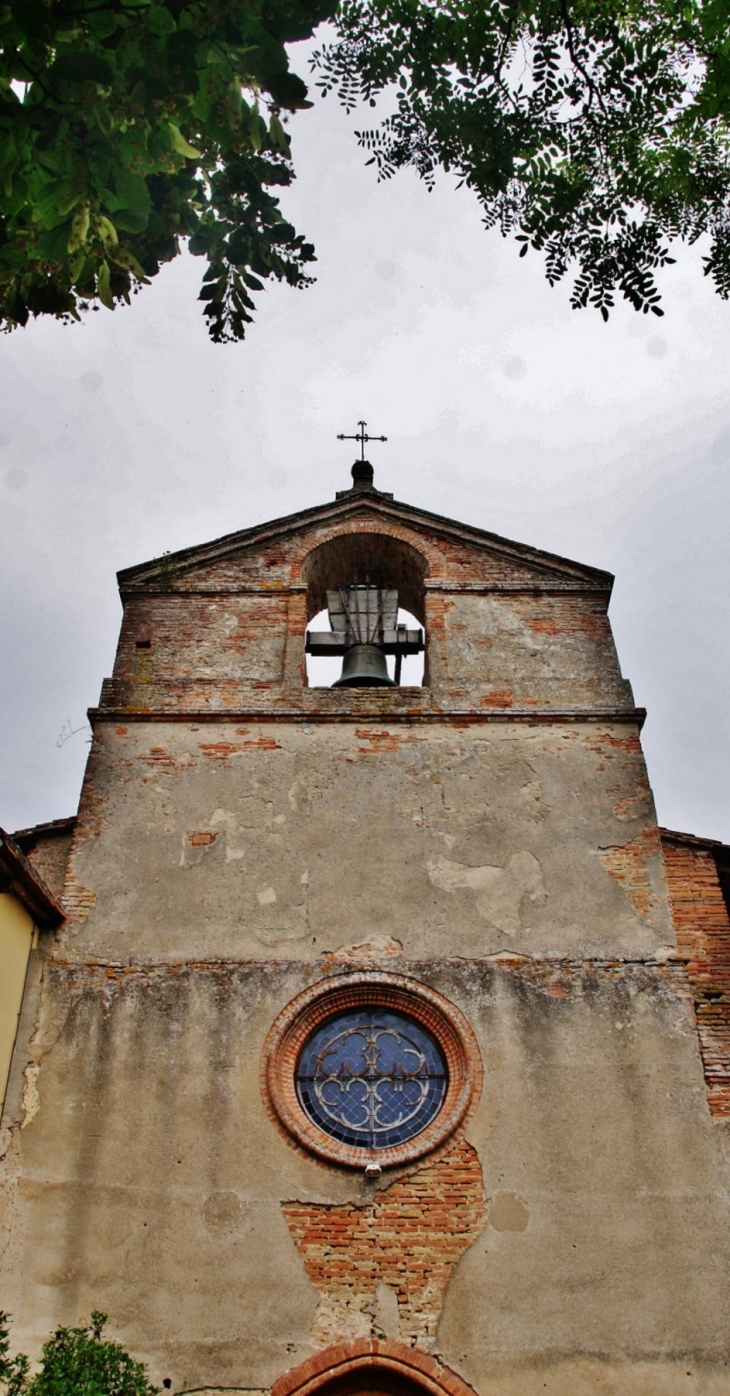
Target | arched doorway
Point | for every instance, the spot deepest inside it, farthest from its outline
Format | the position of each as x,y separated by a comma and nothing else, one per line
371,1367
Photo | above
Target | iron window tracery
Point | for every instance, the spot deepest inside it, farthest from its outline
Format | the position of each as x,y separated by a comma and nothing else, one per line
371,1078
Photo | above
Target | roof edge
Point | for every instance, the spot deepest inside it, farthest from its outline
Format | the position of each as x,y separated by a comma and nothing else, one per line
51,827
219,548
693,840
19,877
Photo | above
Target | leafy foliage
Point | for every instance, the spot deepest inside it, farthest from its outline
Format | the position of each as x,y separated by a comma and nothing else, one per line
13,1370
75,1362
124,127
595,131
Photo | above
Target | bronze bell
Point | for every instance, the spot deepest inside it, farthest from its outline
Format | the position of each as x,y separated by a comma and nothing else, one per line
364,666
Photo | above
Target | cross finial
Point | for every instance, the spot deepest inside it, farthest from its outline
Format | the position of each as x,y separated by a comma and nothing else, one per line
362,437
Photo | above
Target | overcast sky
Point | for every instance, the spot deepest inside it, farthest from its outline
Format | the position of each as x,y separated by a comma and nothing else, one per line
609,444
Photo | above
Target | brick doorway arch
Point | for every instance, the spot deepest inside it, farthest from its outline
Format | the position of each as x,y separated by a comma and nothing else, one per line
371,1367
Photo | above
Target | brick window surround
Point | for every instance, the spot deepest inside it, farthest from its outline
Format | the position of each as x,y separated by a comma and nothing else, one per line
392,992
371,1365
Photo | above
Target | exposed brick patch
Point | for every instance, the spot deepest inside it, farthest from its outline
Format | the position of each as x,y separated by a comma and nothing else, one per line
548,626
627,863
157,758
570,616
378,742
382,1364
408,1238
202,837
561,979
604,742
77,901
219,752
498,698
634,806
702,927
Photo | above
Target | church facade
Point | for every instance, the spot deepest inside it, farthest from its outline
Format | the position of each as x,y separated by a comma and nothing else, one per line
385,1045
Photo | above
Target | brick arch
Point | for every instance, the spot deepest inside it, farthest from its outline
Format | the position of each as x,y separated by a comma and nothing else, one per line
371,1365
357,557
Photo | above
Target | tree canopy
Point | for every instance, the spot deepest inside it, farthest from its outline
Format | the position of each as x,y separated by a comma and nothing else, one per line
595,132
74,1360
124,129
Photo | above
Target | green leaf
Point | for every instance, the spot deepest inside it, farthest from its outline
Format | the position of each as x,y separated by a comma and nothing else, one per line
159,20
211,292
69,201
102,24
55,202
257,129
199,244
86,274
124,258
129,221
282,232
132,192
288,91
103,286
79,227
180,144
106,230
54,244
279,138
234,103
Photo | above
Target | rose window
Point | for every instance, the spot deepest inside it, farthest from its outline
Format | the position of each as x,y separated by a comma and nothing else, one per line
370,1070
372,1078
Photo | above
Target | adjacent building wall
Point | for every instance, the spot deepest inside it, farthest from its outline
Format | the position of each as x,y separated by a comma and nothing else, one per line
47,848
17,936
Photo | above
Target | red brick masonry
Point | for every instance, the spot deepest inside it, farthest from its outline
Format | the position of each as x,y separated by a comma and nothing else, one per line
409,1237
702,927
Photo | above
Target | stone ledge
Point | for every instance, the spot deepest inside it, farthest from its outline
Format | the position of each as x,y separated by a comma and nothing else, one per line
457,717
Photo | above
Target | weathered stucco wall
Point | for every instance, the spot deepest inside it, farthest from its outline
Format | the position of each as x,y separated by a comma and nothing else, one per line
149,1174
301,840
492,836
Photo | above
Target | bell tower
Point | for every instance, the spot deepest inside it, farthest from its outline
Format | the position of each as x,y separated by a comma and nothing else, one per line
368,1057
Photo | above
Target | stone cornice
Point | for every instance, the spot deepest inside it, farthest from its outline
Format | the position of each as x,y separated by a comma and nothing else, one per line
454,718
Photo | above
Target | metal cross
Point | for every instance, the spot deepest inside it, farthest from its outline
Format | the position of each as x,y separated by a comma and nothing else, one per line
362,437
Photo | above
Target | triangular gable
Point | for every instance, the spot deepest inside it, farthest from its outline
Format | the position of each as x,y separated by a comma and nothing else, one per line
491,557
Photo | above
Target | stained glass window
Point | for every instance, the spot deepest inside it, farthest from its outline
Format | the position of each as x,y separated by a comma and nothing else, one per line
371,1078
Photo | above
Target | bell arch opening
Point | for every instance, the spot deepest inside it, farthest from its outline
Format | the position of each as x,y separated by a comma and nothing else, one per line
348,569
371,1367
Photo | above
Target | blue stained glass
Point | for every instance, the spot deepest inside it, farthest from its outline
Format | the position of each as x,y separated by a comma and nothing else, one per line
371,1078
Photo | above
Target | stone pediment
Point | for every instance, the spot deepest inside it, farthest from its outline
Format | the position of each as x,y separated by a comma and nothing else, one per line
271,556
